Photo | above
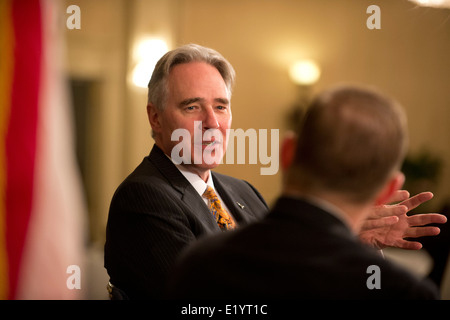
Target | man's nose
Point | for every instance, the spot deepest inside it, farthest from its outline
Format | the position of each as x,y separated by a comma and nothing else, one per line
210,119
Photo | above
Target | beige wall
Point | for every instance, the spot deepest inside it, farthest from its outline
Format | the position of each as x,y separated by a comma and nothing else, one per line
97,52
407,58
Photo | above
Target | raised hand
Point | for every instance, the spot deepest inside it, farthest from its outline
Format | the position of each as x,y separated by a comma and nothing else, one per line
390,225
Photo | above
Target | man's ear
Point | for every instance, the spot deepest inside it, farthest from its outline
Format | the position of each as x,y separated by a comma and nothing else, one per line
394,184
287,152
153,117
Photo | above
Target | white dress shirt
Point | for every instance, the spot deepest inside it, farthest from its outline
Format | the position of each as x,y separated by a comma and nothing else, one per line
200,185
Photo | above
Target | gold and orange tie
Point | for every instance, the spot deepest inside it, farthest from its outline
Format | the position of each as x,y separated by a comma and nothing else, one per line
224,220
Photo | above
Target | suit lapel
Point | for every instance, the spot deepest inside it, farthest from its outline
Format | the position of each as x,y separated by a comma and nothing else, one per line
168,169
186,191
233,200
193,200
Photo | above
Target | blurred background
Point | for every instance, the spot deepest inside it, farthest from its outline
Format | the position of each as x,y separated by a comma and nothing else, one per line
403,49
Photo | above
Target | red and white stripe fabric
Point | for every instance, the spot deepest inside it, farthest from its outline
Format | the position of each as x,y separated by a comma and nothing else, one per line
41,200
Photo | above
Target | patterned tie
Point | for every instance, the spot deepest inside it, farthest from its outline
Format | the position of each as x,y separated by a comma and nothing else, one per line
223,219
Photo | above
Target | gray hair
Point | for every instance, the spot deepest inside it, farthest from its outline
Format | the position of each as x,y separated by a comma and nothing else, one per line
157,87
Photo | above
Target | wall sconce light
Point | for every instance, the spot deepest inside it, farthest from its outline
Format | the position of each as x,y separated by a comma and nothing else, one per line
304,72
147,54
433,3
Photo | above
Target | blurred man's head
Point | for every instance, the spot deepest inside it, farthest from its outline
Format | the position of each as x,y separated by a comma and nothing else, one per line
352,142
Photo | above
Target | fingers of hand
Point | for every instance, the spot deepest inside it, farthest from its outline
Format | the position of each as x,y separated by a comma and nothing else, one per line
417,200
386,211
418,232
399,195
408,245
379,223
426,218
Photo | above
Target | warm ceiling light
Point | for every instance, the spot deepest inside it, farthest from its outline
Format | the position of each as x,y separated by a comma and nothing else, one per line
147,53
433,3
304,72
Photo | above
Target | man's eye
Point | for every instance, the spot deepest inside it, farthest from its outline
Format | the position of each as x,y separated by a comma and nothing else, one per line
190,108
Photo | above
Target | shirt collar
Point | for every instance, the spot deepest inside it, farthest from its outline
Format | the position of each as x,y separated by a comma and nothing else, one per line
197,182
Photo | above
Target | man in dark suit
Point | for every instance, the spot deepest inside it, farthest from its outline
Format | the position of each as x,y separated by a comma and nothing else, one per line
155,213
345,161
159,209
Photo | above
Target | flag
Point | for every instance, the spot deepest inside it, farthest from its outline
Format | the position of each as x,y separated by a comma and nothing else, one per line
41,198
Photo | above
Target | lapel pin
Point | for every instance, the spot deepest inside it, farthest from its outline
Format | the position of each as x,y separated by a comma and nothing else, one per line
240,205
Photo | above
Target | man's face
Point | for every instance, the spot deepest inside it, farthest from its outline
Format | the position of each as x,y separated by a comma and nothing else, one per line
198,101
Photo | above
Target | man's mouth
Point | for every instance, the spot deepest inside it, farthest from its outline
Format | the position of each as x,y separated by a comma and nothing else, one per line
210,143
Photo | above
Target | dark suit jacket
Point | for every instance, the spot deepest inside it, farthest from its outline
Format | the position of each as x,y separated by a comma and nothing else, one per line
155,213
297,251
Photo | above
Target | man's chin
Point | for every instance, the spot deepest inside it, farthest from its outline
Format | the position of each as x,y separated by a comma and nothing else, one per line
205,165
208,158
200,169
